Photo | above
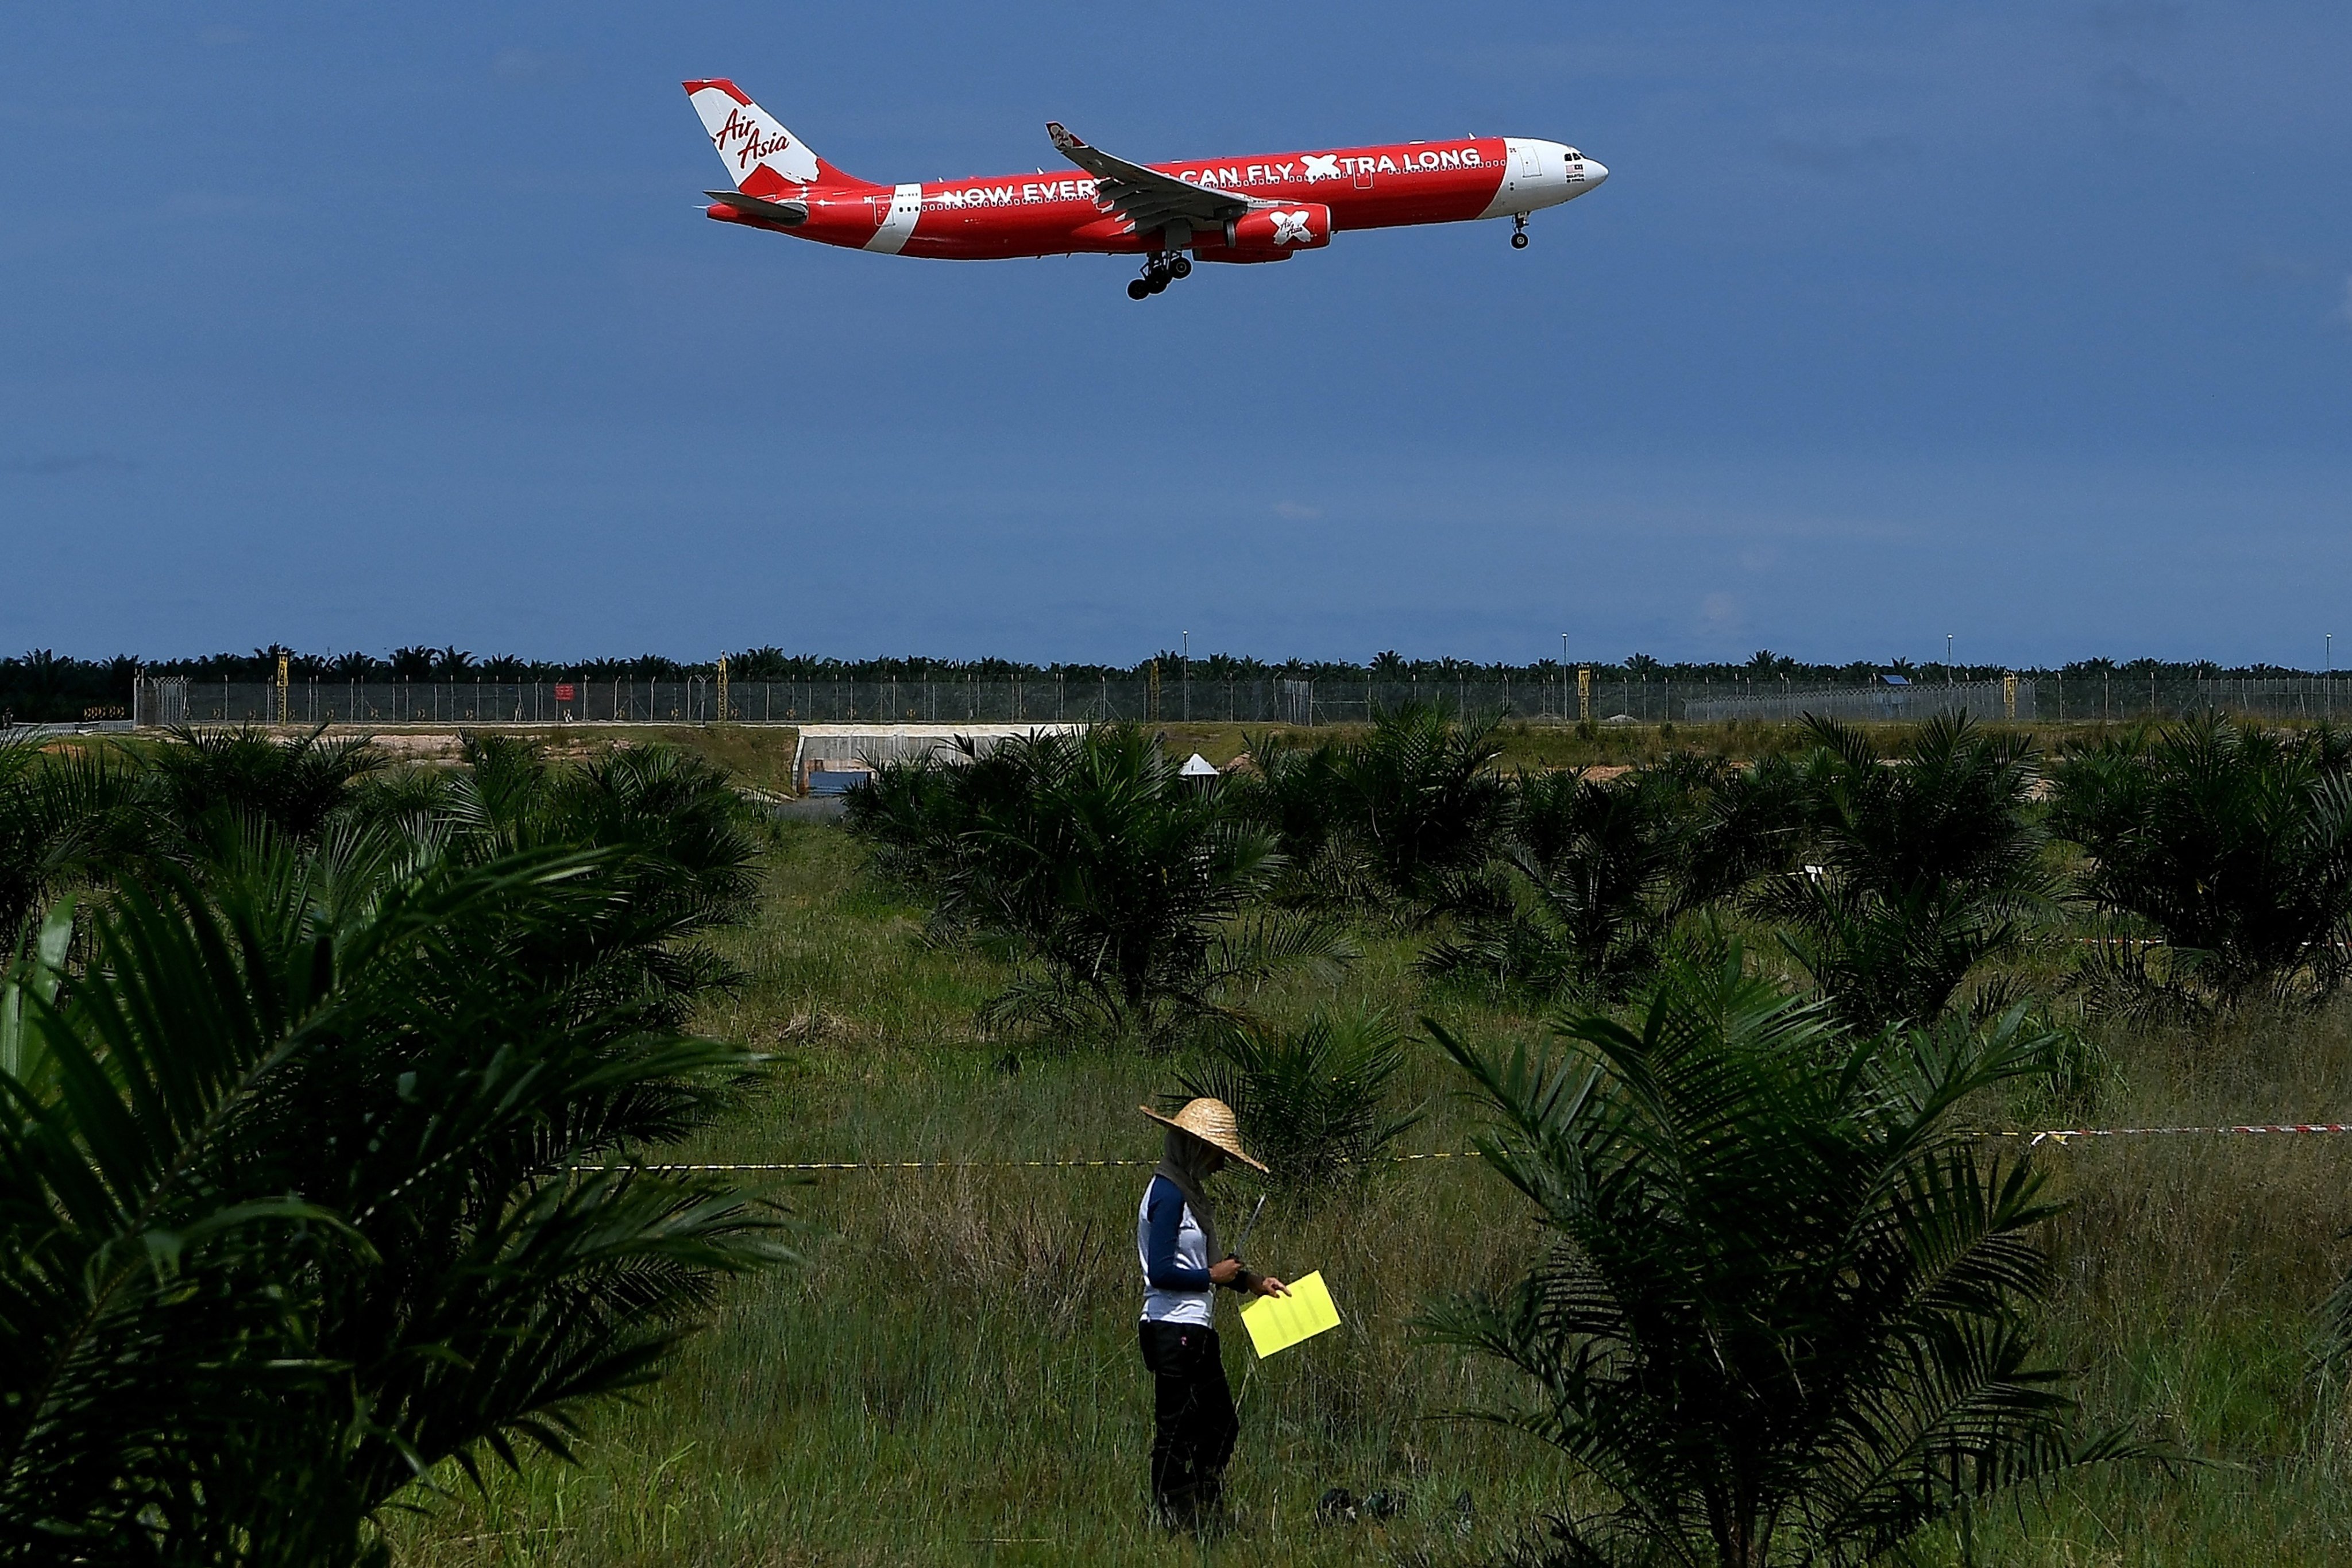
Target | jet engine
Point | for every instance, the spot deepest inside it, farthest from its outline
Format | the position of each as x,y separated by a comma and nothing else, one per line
1269,233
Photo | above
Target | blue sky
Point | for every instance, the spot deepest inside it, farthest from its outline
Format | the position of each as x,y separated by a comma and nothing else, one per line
349,327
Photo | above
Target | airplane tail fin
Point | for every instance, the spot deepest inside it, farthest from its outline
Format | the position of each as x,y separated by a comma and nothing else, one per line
762,158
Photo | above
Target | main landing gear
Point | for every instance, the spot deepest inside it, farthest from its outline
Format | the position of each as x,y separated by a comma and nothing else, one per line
1519,231
1157,273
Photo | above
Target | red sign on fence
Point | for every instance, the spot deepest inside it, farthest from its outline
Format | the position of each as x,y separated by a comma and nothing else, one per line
565,691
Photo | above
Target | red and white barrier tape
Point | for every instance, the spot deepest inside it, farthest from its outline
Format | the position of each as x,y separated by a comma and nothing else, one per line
2061,1135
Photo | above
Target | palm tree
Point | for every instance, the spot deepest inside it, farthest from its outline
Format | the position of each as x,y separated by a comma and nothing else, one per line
324,1171
67,820
1300,793
686,853
1423,796
212,780
1128,894
1594,873
1923,869
1782,1317
1314,1101
2235,845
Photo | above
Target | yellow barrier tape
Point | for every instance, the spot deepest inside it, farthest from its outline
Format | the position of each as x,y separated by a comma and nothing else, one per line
2057,1135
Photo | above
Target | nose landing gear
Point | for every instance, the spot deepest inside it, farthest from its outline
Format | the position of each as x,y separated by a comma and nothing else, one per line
1519,231
1157,273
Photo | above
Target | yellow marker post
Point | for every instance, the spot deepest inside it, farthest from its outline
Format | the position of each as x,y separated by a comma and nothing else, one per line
1277,1322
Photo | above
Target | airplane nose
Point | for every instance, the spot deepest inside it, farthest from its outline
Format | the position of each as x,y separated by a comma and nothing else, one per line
1595,172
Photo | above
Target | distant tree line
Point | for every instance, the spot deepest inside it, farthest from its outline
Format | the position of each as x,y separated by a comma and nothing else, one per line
45,687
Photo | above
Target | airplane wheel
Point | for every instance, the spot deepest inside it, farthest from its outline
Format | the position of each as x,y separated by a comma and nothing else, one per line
1138,289
1179,266
1518,242
1158,283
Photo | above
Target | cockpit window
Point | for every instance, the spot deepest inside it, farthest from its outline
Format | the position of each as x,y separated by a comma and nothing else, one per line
1574,156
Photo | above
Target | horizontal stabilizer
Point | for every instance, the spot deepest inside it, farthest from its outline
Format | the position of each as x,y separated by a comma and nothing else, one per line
790,214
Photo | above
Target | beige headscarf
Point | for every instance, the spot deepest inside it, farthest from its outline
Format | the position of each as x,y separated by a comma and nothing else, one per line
1186,1160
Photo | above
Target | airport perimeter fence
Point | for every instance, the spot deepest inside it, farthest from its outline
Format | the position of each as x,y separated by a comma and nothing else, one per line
696,701
1603,699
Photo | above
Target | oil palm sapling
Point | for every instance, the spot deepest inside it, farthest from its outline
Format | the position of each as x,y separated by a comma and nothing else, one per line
1783,1314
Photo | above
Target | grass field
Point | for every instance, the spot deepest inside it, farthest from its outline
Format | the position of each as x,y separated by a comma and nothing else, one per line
951,1376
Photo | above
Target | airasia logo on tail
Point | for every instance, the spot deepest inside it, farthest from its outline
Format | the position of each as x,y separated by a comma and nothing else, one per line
1307,225
752,143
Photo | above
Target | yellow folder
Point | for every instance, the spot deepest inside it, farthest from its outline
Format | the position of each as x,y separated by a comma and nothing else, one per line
1277,1322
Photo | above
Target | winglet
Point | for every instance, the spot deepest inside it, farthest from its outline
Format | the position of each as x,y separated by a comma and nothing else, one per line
1076,150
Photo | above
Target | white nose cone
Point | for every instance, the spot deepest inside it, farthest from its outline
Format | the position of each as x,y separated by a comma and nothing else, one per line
1594,172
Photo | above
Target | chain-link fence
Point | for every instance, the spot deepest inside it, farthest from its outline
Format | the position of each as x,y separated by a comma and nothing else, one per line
1177,698
1780,702
696,701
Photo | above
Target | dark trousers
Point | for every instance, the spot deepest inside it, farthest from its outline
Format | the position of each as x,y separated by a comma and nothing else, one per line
1193,1421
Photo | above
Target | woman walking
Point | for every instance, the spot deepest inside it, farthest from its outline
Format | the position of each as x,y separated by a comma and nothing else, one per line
1193,1426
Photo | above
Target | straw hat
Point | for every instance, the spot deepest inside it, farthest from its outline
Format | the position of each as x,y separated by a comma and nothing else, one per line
1211,1122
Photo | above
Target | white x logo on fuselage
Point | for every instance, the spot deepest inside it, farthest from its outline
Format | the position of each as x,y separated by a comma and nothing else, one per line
1322,165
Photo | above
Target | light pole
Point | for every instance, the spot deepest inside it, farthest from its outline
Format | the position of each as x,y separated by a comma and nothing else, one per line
1563,678
1948,658
1186,661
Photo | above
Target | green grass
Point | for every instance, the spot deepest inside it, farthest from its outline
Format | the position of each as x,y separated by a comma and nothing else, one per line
952,1376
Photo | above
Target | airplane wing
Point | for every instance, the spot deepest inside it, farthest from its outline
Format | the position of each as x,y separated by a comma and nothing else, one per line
1146,198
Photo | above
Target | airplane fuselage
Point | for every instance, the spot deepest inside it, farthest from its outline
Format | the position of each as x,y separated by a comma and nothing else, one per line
1038,213
1259,208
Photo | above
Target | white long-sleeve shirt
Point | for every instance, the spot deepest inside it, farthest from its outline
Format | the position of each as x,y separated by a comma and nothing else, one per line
1174,1253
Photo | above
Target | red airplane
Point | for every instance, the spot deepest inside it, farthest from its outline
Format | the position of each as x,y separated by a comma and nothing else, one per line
1219,209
